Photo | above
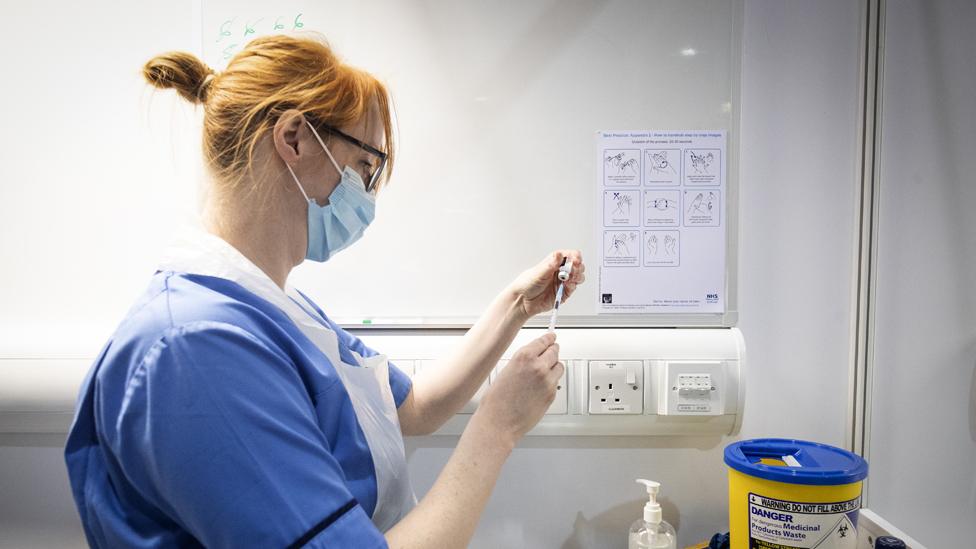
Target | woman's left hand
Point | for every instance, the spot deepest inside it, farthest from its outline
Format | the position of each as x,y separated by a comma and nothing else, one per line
535,288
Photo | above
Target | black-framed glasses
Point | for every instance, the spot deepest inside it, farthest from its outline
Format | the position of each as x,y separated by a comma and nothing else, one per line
370,179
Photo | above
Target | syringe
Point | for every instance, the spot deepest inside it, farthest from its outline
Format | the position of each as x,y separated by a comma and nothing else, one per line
564,271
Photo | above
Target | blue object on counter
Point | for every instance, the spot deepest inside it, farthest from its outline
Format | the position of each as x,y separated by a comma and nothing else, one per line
719,541
889,542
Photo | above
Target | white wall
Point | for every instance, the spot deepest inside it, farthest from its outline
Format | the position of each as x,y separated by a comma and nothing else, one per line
71,53
799,83
923,419
89,154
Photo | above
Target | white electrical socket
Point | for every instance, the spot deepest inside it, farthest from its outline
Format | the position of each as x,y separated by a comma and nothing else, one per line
616,387
692,388
560,405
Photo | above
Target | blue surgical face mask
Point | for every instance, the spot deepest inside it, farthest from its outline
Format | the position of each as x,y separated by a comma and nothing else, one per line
343,220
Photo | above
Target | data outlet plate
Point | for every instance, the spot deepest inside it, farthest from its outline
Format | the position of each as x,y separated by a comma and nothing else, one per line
692,388
616,387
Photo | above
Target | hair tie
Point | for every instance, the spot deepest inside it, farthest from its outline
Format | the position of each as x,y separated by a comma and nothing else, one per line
204,87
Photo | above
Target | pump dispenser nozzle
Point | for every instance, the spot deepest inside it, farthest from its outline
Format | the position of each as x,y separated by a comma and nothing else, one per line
652,532
652,509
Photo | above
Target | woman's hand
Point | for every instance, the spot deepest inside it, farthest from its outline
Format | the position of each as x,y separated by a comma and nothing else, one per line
519,397
524,389
535,288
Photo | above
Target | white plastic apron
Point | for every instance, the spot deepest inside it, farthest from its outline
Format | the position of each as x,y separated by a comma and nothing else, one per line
367,382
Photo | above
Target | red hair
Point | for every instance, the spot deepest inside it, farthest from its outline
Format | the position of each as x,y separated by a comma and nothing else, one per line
269,76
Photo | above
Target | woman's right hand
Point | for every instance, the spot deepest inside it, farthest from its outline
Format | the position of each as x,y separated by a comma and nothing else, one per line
524,389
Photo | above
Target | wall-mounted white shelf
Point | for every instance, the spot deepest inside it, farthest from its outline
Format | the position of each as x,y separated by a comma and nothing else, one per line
37,395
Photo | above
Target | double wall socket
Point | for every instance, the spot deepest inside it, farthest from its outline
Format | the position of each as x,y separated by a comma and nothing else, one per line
616,387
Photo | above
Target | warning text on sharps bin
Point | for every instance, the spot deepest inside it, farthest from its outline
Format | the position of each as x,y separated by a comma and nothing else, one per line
799,524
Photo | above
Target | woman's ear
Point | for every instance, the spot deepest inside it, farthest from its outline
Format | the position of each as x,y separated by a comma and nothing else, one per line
286,133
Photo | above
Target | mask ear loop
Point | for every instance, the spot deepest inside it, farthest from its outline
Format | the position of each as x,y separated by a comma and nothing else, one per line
334,163
295,177
316,134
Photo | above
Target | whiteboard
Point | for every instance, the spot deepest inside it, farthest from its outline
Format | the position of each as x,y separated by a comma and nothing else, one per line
97,170
498,104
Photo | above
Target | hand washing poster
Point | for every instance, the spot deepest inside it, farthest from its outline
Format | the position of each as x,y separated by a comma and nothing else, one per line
661,226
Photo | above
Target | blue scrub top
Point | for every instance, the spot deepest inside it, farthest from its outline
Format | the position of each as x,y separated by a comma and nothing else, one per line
210,419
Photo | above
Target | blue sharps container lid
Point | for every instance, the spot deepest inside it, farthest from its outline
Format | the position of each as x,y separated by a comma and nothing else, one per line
795,461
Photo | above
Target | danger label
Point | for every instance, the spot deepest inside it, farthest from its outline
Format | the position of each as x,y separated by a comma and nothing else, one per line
779,524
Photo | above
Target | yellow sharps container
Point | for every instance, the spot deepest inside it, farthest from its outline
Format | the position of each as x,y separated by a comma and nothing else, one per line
793,494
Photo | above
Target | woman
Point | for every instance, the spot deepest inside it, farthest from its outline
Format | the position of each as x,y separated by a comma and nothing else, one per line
227,410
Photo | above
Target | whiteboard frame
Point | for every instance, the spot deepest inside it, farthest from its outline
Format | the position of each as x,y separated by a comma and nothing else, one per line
728,319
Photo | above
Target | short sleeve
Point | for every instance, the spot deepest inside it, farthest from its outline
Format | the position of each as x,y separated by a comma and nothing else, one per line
400,383
217,430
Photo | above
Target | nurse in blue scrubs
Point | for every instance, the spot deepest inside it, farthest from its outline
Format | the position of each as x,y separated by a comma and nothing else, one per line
228,410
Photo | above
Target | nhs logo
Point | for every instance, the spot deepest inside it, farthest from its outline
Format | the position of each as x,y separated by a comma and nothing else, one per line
711,298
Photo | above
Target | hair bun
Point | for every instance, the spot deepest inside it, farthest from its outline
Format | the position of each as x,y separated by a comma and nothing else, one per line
182,71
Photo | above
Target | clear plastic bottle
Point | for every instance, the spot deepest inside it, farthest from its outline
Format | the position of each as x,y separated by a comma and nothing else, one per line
650,532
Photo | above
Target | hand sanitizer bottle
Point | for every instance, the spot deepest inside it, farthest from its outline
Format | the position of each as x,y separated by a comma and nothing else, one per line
651,532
